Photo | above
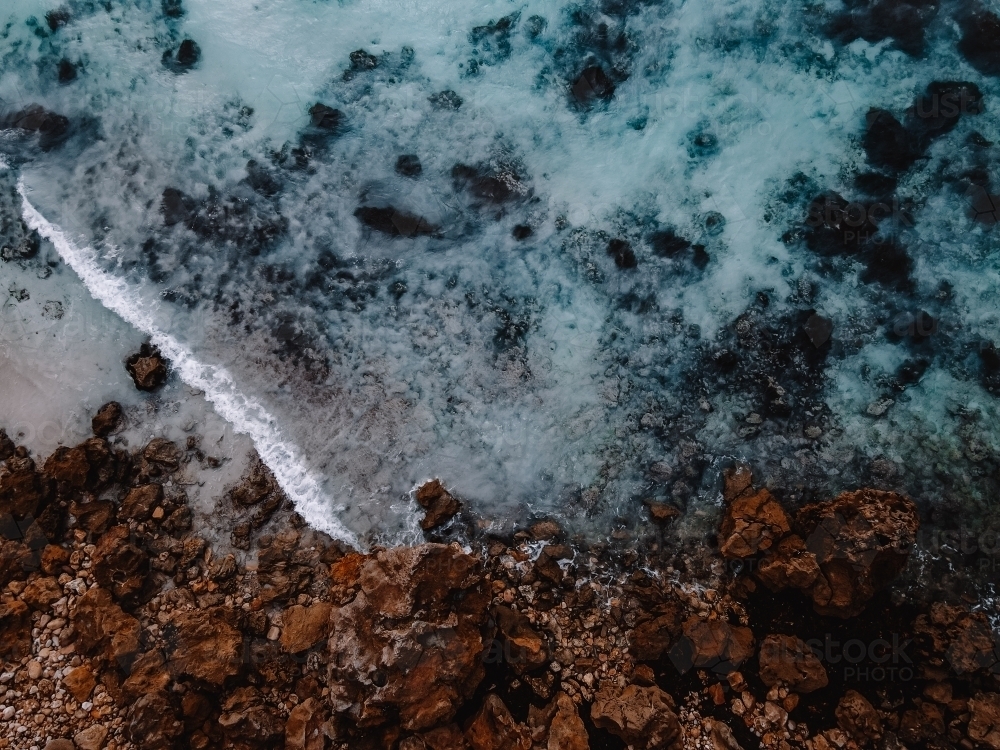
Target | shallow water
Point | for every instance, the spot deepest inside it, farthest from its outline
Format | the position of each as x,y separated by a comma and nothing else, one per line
561,256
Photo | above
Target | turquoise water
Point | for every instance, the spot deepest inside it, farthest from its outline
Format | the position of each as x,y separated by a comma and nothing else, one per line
568,258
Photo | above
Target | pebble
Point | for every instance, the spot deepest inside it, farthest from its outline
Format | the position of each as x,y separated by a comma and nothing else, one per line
34,670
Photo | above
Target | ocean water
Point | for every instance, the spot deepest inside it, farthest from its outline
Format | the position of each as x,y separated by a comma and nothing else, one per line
568,257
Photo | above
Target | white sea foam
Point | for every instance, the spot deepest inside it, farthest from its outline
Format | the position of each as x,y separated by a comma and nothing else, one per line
245,414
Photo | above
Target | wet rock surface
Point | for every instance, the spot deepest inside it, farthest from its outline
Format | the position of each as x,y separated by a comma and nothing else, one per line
120,628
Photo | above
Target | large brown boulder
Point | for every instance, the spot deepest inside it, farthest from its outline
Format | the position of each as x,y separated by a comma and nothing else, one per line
204,644
248,722
493,728
408,636
641,716
984,726
789,565
15,628
861,541
304,728
118,564
20,486
567,731
788,661
712,644
68,467
304,627
103,627
147,367
965,639
439,505
525,648
752,523
859,719
152,722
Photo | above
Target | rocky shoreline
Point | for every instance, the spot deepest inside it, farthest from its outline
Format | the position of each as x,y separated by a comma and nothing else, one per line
122,625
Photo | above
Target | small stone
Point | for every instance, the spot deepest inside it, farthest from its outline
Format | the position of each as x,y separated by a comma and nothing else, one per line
274,633
34,670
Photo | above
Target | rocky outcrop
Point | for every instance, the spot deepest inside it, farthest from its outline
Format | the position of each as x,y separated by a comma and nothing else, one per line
641,716
861,541
752,523
858,719
438,504
964,638
839,553
984,723
567,730
715,645
407,636
204,644
147,367
788,661
102,627
304,627
107,419
493,728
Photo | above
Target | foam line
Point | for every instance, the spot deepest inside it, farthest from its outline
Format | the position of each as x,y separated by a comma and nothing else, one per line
246,415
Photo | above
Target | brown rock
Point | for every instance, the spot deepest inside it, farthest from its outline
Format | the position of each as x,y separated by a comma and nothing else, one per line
148,675
139,503
16,561
162,453
963,638
80,682
651,639
984,724
101,624
939,692
641,716
438,503
923,723
662,512
118,564
712,644
752,523
147,368
59,745
248,722
448,737
15,628
526,649
567,731
53,559
788,564
787,660
152,723
95,516
409,639
861,541
721,737
68,467
493,728
545,530
304,728
20,486
204,644
41,592
859,719
91,738
7,446
304,627
107,420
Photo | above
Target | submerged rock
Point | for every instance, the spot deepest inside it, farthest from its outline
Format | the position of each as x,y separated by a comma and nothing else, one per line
107,420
